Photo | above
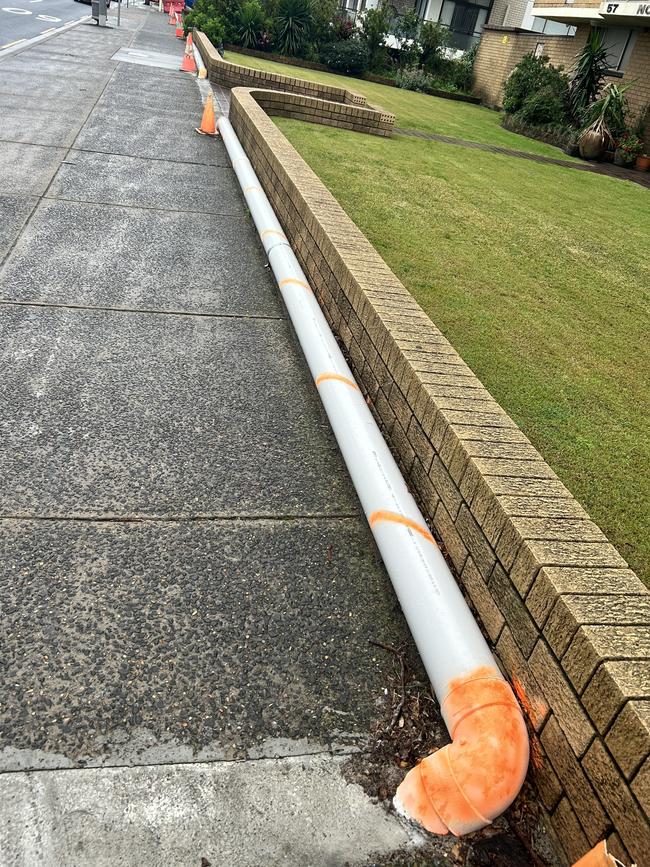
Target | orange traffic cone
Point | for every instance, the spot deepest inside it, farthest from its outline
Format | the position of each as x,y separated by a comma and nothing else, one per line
189,39
180,32
208,124
188,64
172,14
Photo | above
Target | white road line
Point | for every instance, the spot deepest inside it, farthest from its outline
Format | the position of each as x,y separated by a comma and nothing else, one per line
9,44
21,44
16,11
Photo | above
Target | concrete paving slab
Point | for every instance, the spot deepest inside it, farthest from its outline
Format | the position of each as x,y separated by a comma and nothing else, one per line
66,104
17,81
161,415
134,132
150,59
118,180
294,813
44,127
42,73
162,105
151,642
50,52
28,169
14,212
109,256
164,42
152,78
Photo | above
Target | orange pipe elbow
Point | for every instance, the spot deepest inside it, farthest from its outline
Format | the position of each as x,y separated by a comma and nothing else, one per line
597,857
465,785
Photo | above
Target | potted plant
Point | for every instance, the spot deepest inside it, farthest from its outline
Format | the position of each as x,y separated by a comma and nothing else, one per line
642,162
628,148
605,122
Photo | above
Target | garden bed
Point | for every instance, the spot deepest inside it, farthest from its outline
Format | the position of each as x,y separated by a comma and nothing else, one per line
366,76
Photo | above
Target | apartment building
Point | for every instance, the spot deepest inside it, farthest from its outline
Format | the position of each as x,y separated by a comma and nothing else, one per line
626,26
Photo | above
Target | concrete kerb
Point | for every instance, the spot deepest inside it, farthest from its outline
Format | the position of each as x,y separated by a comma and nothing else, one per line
43,37
514,533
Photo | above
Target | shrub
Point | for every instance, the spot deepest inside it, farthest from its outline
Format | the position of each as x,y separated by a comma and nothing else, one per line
546,106
527,78
293,23
325,13
251,24
229,11
342,28
464,69
349,56
374,27
559,135
434,38
406,31
204,17
537,92
413,78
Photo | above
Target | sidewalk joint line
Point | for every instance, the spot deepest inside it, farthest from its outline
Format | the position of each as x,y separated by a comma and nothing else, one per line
225,165
183,518
8,302
130,766
237,216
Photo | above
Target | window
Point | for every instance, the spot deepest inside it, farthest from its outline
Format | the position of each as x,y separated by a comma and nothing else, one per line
543,25
550,28
465,20
619,42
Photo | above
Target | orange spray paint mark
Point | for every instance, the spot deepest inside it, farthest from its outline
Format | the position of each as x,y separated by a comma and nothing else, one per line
382,515
273,232
467,784
293,280
335,377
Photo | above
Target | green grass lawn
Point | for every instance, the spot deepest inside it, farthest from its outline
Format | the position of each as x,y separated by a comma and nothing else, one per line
417,110
539,276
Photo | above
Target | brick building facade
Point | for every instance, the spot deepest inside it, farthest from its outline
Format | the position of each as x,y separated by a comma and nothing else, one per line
627,37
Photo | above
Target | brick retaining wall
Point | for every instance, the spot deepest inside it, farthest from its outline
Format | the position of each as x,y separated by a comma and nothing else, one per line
233,75
568,618
353,117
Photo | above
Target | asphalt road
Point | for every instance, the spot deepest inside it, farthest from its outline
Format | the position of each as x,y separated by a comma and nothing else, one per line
24,19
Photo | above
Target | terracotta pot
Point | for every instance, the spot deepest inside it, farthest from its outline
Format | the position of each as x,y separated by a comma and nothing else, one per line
591,145
643,163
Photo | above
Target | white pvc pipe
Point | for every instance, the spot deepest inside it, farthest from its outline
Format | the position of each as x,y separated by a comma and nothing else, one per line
450,643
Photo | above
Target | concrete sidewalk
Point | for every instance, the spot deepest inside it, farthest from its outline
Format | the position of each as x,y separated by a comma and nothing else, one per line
187,586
